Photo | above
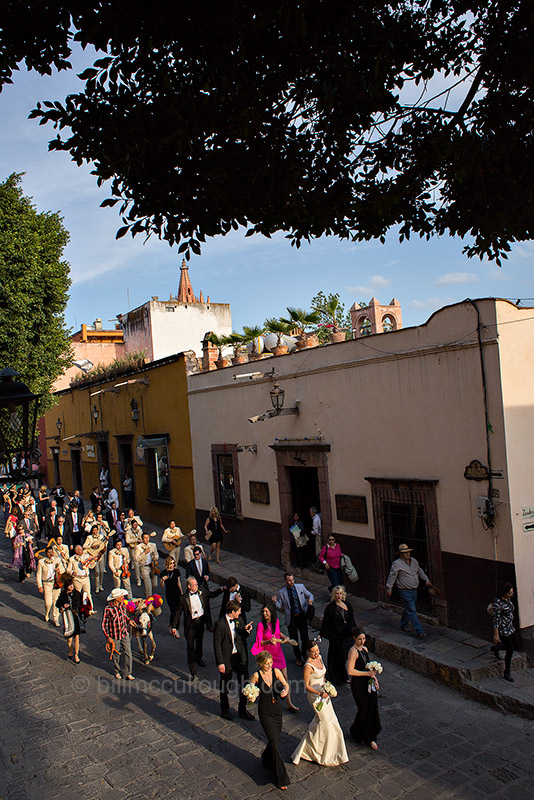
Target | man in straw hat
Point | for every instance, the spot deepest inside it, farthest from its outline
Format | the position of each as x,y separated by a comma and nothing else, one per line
116,627
406,572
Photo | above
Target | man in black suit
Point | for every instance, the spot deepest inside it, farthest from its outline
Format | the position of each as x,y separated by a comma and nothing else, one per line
112,516
73,526
229,636
51,519
233,591
198,568
195,607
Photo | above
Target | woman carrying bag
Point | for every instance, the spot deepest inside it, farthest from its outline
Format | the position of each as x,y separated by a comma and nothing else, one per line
69,603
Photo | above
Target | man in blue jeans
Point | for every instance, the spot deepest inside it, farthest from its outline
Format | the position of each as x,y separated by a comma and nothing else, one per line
406,572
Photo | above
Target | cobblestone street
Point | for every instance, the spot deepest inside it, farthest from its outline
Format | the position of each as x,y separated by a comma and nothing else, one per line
74,731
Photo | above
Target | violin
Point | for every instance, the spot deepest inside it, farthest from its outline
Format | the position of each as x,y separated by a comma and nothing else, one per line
125,571
58,583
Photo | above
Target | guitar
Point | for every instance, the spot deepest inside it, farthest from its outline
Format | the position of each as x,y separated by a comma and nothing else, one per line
174,542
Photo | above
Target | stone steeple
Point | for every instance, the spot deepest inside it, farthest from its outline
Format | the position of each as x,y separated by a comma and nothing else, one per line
185,290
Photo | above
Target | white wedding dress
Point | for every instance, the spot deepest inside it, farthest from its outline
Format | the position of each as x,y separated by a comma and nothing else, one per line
324,742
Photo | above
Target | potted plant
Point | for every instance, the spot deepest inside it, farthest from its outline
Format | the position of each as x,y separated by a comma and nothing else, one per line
337,334
251,335
300,319
279,329
220,342
237,342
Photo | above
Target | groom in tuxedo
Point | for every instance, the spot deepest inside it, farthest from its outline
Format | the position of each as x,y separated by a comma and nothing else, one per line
229,636
195,607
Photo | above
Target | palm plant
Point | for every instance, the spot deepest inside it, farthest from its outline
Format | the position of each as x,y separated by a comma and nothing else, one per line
300,319
236,342
219,342
278,327
251,334
331,309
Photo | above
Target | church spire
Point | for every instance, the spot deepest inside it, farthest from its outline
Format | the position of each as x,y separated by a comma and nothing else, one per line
185,290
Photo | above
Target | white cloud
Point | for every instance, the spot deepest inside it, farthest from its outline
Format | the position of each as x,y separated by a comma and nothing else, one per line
433,303
452,278
374,284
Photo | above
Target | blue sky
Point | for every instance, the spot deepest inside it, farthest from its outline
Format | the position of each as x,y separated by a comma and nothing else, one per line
258,277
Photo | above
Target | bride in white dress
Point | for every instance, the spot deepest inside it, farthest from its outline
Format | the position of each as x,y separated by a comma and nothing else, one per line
324,742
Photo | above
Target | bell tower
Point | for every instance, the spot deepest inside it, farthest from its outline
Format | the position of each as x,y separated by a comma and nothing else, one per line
375,318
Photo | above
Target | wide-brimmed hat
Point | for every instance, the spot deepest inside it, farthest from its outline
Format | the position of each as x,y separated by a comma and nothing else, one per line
403,548
116,594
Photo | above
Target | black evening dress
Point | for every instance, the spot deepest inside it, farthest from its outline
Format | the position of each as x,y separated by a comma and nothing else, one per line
172,590
366,726
337,628
270,714
214,525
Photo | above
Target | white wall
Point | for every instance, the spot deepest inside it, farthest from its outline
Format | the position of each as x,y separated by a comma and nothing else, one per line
161,333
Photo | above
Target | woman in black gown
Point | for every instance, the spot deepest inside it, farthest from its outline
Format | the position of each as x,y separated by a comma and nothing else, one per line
170,579
338,622
272,685
366,726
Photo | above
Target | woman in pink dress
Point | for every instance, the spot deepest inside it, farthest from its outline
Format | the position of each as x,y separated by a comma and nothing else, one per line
270,638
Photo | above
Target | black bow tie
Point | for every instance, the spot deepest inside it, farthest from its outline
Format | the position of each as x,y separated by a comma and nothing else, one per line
192,594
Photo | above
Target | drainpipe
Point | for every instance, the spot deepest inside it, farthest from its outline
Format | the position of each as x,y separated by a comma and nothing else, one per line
491,511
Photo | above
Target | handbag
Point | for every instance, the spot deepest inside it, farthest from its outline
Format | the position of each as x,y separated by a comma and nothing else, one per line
68,623
349,569
310,613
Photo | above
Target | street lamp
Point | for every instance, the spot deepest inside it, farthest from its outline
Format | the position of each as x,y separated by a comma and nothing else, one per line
277,397
18,418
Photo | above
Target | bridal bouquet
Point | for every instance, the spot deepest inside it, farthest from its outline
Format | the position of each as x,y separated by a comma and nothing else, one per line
251,692
377,667
331,691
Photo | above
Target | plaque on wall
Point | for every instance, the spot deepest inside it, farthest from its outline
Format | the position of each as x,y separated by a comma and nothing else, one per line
476,471
259,492
351,508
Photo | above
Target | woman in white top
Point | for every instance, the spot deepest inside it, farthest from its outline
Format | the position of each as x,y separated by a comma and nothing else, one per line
324,742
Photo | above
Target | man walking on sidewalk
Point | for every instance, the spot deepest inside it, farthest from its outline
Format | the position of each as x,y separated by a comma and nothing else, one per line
406,572
295,599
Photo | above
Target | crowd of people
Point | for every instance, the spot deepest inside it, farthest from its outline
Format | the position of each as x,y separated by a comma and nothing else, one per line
70,549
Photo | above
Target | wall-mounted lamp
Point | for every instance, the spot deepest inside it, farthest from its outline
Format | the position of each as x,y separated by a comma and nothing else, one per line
135,410
95,413
59,425
277,395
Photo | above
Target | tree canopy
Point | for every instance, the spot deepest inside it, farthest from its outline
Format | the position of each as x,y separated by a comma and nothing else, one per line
33,290
310,117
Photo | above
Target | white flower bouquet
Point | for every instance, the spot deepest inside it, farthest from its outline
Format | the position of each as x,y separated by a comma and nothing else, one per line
377,667
251,692
330,690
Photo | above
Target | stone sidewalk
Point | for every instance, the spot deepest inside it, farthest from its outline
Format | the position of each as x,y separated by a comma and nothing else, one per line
74,731
453,657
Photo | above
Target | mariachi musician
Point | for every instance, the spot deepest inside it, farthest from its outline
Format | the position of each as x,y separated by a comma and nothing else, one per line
171,539
79,569
119,564
95,546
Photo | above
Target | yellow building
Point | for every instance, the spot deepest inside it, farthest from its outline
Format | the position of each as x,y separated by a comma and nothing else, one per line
133,425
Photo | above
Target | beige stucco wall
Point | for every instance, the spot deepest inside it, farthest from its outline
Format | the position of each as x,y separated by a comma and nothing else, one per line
407,404
97,352
516,337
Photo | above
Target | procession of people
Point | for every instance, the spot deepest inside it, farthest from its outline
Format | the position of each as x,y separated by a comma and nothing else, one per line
53,538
